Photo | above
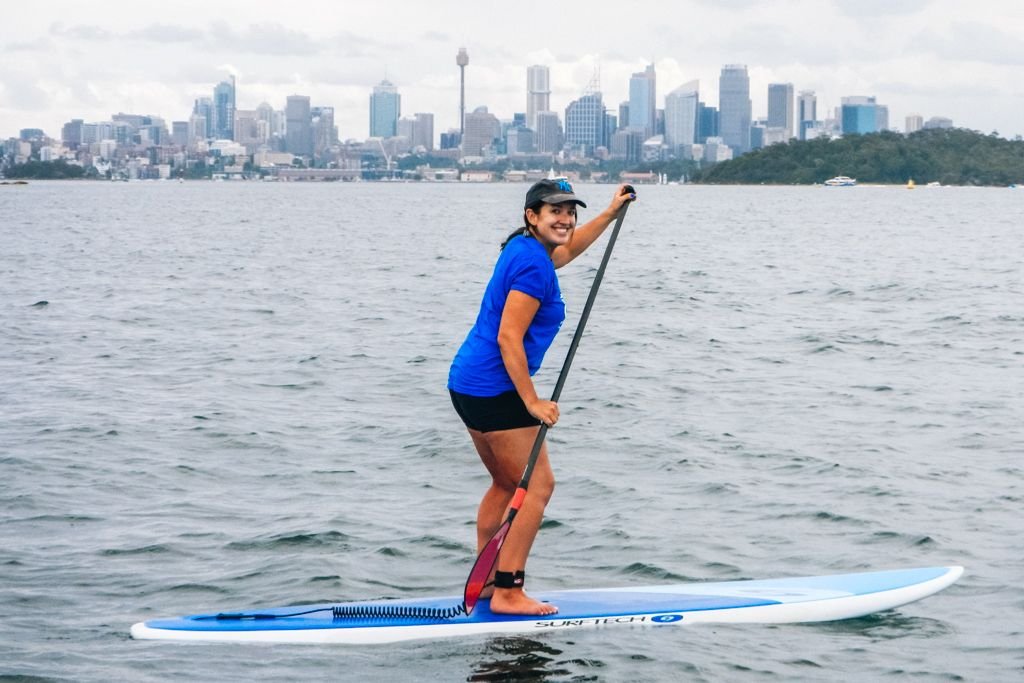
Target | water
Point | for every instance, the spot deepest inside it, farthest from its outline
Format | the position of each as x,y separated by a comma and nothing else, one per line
235,397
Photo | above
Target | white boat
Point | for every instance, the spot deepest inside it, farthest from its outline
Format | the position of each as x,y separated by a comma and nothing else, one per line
841,181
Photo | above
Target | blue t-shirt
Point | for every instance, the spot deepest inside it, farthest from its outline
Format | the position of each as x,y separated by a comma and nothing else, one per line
524,265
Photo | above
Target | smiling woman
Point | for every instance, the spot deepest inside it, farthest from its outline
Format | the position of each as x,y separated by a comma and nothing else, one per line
491,383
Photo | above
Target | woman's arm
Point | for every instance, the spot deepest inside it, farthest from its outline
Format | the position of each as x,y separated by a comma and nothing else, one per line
585,235
515,320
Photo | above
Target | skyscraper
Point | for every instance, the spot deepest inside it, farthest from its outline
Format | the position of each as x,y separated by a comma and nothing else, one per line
681,116
538,93
482,129
323,130
860,115
584,123
915,122
224,110
806,112
298,126
642,101
549,138
203,109
385,108
780,107
734,108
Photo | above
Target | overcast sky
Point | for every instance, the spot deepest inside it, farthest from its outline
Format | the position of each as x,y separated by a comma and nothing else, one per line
64,59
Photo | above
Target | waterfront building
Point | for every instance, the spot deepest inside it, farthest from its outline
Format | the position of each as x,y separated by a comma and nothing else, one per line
806,112
385,110
914,123
780,108
298,126
642,101
224,110
681,117
734,107
538,93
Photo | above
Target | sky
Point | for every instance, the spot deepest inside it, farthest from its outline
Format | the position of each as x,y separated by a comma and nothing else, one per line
64,59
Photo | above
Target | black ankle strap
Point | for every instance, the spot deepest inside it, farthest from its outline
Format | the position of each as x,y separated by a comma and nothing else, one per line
509,579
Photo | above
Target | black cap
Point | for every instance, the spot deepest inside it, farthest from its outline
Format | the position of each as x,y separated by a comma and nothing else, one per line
551,192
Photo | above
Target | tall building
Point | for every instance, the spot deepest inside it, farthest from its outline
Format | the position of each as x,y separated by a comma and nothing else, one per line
780,108
915,122
585,123
549,138
462,59
681,116
224,110
734,108
298,126
423,131
203,108
482,129
707,122
325,135
71,133
806,112
538,93
642,101
385,109
938,122
859,115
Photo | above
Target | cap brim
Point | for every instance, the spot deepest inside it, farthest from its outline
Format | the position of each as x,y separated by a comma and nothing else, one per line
560,198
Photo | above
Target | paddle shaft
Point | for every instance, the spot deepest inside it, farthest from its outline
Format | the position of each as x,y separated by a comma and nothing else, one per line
520,494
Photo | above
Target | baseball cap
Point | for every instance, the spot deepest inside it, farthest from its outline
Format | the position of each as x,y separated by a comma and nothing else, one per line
551,192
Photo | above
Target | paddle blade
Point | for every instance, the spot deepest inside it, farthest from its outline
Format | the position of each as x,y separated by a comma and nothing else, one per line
485,562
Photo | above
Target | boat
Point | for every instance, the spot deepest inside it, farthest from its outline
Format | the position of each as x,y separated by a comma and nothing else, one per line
911,184
841,181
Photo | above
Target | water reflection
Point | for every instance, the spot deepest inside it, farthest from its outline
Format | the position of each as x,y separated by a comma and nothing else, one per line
523,659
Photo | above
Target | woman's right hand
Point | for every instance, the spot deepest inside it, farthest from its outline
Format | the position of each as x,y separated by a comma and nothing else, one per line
545,411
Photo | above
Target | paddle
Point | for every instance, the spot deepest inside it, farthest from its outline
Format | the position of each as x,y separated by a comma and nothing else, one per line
488,557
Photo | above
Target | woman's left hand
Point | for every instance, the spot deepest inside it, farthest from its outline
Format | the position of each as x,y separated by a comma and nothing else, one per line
624,193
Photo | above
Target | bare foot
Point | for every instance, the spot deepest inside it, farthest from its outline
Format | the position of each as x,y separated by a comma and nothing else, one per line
515,601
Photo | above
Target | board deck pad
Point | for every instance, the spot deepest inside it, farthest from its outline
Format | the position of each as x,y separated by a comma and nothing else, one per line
786,600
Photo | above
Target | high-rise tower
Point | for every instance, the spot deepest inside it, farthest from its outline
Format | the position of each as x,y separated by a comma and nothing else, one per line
385,110
462,59
643,101
780,107
806,112
538,93
734,108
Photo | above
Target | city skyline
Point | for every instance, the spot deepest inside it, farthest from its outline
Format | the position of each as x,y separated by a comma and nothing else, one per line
65,64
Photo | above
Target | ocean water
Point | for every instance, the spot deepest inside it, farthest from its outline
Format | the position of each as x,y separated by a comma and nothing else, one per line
233,396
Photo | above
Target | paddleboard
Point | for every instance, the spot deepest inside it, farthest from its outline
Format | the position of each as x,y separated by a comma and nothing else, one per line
784,600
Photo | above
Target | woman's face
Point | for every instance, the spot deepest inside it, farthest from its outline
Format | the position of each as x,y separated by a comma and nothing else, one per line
554,223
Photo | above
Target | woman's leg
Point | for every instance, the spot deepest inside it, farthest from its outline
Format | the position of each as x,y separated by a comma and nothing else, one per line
504,454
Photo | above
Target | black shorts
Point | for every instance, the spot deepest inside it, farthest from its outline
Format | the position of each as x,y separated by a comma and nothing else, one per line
493,413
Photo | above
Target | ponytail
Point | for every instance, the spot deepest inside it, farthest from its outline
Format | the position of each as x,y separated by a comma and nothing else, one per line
525,230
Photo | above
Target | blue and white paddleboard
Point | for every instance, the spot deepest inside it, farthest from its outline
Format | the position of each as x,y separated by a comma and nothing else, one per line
789,600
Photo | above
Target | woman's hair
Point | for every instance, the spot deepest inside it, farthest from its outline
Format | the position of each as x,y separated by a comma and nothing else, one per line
526,224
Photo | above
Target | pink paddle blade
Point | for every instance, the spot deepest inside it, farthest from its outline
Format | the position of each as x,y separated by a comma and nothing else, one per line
485,562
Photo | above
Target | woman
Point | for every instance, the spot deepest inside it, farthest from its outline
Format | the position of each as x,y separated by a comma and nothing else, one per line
490,379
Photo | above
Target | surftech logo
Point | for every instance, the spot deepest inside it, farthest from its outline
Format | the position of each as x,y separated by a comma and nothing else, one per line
604,621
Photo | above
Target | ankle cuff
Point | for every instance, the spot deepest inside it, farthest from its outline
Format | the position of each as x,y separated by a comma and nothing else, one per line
509,579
